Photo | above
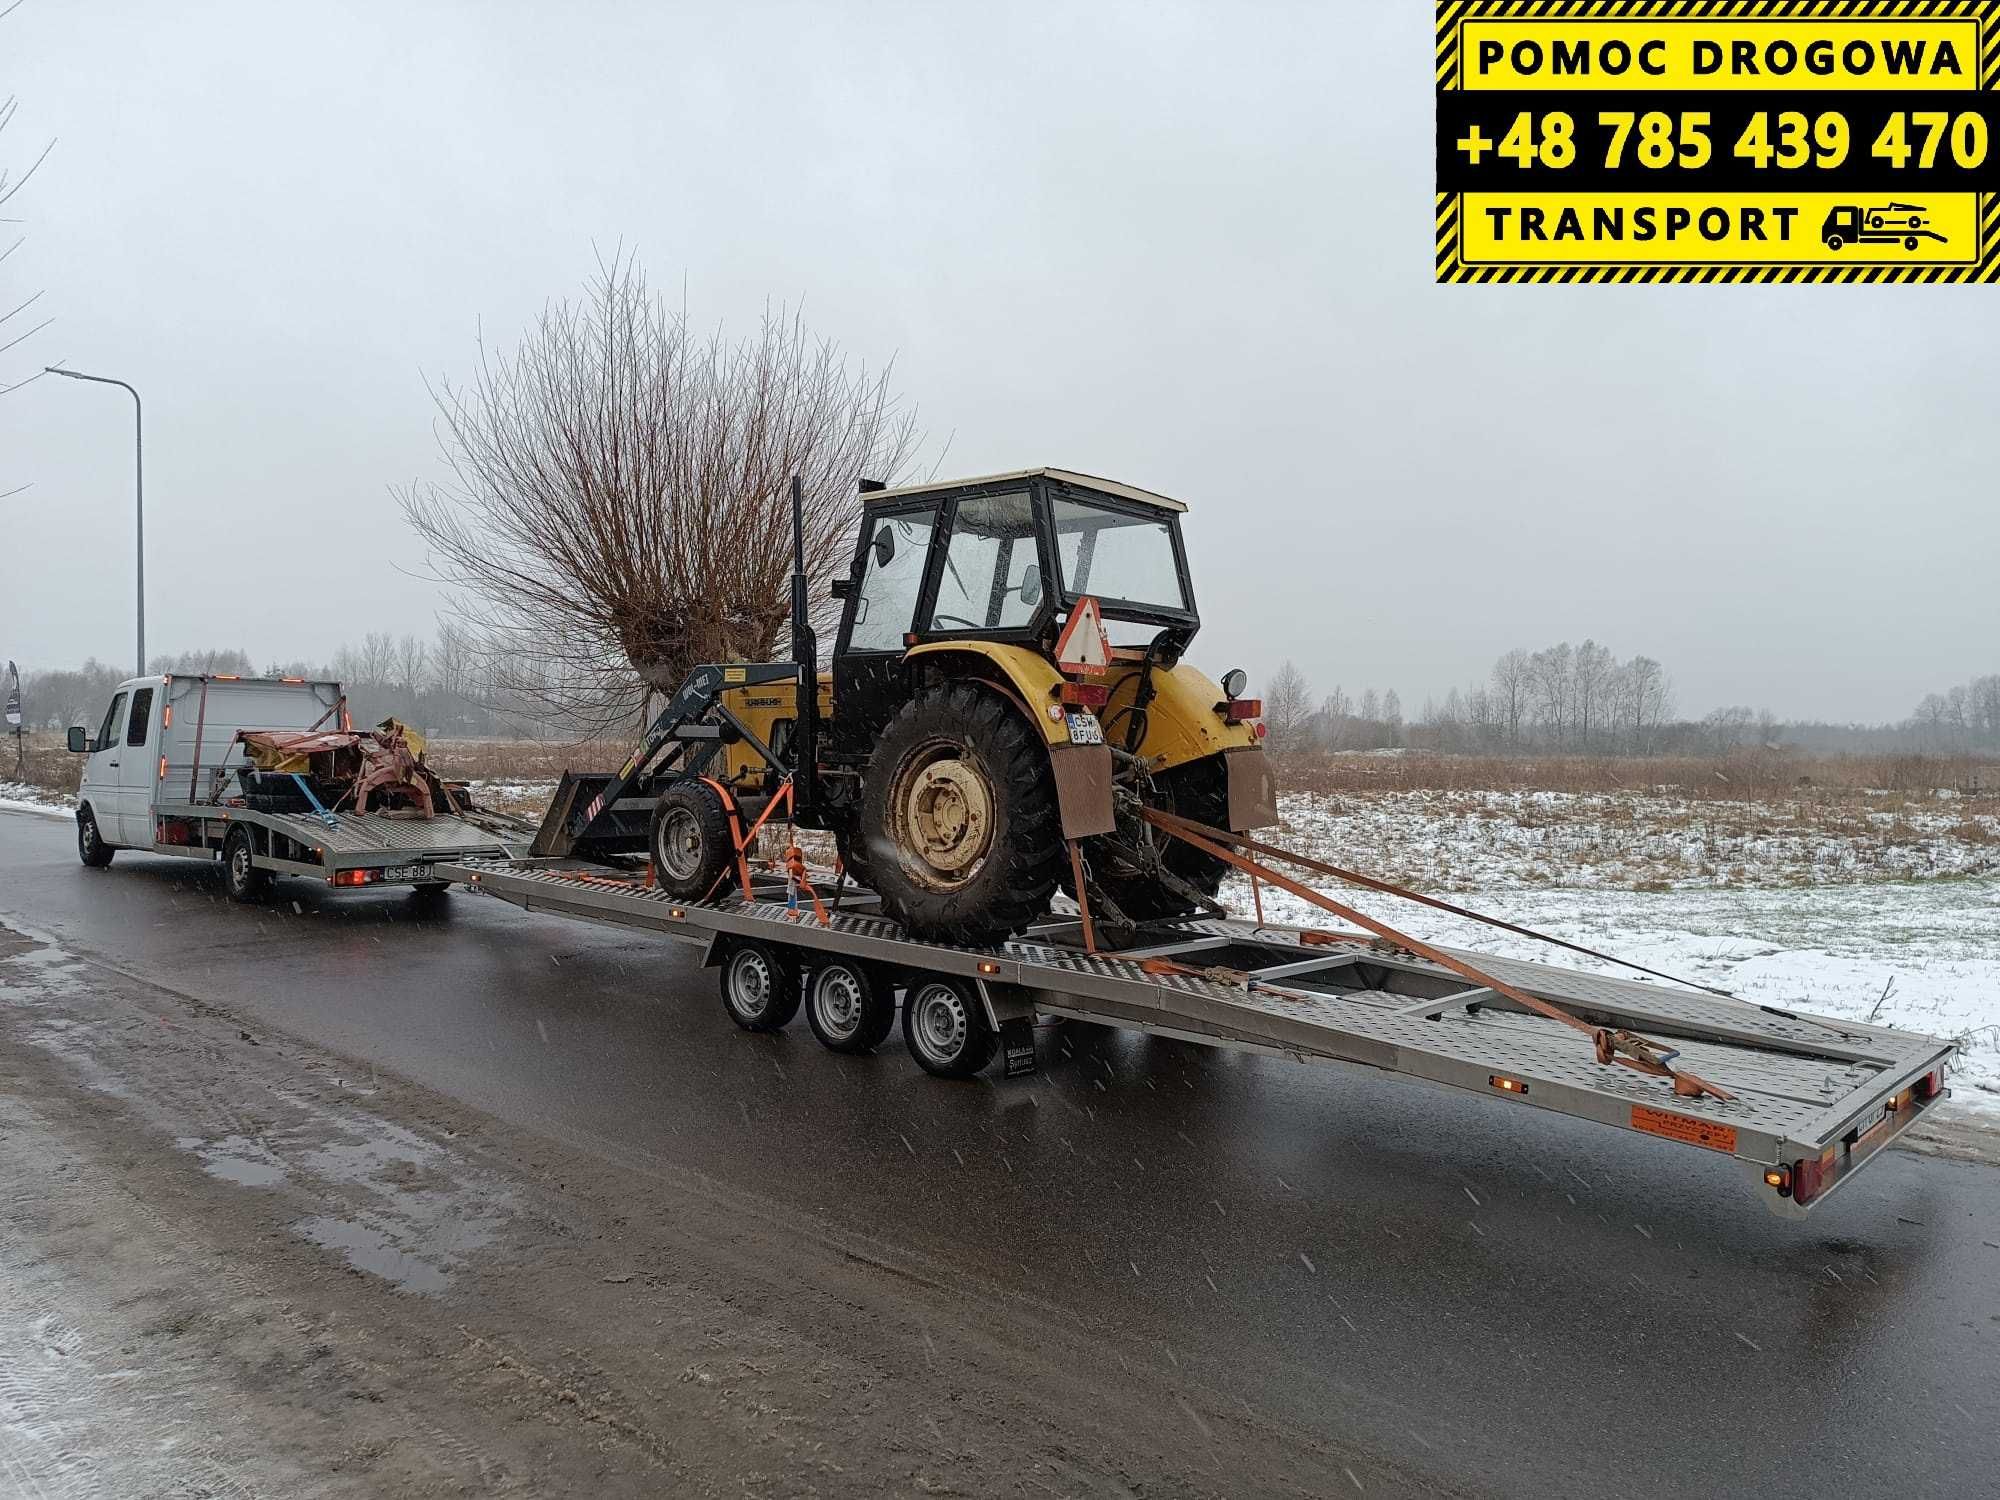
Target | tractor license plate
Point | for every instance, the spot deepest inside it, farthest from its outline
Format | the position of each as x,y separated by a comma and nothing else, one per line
406,872
1085,730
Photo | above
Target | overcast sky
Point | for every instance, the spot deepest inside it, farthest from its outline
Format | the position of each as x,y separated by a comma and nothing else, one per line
1187,248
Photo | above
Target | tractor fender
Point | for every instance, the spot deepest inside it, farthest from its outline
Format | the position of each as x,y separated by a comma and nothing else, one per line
1182,724
1082,773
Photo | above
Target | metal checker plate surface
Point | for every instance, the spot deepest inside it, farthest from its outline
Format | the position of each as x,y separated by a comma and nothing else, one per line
1782,1094
367,833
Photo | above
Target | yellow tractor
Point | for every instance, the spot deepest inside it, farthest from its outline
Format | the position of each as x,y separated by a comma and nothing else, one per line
1006,692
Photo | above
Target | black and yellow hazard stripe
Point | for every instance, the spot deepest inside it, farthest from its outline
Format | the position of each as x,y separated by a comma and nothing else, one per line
1452,14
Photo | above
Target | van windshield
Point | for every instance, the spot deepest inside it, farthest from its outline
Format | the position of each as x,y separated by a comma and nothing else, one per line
1117,555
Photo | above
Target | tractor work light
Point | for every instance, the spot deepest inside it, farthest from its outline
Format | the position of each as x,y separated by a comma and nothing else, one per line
1234,681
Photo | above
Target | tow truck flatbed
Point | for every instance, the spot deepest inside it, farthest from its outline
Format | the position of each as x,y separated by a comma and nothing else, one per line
1812,1099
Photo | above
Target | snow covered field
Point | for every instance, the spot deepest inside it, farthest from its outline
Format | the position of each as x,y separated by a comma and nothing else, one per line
1899,925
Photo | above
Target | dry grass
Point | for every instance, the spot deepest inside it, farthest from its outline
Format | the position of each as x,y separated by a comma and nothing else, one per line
1742,774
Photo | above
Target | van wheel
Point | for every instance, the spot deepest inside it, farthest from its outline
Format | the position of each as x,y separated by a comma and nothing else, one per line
849,1006
760,986
90,845
946,1028
240,875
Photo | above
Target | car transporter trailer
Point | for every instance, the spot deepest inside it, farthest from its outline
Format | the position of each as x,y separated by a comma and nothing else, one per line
1802,1101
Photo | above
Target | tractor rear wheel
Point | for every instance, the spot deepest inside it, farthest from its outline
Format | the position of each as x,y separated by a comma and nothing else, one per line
958,812
1199,792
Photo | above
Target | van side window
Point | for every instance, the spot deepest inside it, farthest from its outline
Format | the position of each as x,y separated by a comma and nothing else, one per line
142,717
114,720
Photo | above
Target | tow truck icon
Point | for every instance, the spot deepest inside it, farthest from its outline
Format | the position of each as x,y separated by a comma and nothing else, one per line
1882,224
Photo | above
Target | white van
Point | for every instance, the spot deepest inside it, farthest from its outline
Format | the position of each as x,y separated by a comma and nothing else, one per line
162,777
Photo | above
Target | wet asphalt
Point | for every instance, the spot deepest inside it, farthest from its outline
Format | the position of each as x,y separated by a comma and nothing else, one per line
1513,1302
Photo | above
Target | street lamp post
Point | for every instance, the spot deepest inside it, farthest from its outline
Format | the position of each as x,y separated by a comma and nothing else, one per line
139,472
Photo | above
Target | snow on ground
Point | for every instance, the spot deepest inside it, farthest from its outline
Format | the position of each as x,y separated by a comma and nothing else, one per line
1808,921
1485,840
17,796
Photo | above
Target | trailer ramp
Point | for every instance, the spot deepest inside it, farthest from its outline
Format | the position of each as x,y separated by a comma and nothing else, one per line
1811,1099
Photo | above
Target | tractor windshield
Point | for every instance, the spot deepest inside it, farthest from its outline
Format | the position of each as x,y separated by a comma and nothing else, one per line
1116,555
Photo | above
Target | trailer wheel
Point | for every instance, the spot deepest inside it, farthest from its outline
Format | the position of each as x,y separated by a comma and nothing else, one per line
946,1028
90,845
691,842
760,986
849,1006
240,875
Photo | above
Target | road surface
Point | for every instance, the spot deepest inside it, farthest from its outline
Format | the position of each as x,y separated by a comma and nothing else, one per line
1269,1278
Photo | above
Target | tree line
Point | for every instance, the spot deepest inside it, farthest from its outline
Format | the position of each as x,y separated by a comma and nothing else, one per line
1966,717
1562,699
443,685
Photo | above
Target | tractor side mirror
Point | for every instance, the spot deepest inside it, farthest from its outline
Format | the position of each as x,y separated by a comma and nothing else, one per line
884,545
1031,586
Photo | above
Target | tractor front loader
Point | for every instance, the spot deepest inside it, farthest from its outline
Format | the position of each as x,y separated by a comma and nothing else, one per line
1006,699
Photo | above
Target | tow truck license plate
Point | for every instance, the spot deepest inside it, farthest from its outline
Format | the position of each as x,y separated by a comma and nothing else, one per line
406,872
1085,730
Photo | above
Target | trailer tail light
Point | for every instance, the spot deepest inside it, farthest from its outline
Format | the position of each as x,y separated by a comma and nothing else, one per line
1781,1179
1931,1085
355,877
1243,710
1814,1175
1505,1084
1085,694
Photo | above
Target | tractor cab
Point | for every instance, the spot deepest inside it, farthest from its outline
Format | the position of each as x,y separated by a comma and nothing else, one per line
1005,556
1000,561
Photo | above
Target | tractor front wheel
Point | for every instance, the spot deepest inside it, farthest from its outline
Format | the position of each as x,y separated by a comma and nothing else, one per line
692,847
958,812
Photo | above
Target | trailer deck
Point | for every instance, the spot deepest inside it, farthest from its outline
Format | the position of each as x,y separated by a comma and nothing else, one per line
378,846
1812,1099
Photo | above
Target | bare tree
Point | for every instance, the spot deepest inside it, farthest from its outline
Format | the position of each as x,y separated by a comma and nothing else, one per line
13,306
620,504
1336,711
1287,706
1511,678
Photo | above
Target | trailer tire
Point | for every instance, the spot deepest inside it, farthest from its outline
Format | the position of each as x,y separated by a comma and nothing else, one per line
240,875
958,818
945,1026
691,843
760,986
849,1005
90,845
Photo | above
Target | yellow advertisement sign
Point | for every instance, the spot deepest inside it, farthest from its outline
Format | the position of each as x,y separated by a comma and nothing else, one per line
1795,140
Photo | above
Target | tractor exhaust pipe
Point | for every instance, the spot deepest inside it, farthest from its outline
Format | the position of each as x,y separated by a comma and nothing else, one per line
805,655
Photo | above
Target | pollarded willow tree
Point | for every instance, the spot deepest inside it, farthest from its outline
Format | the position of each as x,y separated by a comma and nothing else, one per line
619,509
